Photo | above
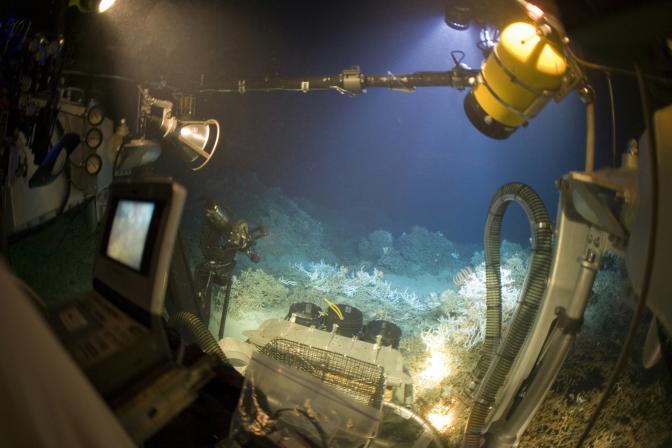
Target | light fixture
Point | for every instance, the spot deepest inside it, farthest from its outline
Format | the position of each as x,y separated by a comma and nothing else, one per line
88,6
197,139
104,5
525,69
458,14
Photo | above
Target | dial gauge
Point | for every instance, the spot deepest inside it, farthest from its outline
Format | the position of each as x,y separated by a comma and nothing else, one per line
94,138
95,116
93,164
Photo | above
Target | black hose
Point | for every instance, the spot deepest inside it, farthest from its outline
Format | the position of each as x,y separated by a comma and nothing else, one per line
197,329
612,107
496,360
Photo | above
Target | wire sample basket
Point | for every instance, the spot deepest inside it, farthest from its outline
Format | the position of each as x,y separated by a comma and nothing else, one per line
363,381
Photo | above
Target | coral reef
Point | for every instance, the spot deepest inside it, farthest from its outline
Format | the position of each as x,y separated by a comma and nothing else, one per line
377,244
255,290
407,280
368,291
292,234
638,414
463,276
416,252
427,251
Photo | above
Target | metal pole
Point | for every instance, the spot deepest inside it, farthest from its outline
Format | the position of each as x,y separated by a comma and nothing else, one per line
225,305
504,433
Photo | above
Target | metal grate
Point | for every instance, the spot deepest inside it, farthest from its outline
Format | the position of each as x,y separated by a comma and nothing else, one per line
360,380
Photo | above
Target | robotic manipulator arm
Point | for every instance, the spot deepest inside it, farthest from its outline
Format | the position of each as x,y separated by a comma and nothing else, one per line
619,210
586,230
224,236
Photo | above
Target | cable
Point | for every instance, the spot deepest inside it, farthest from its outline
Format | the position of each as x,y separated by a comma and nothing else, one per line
648,267
157,85
116,161
611,69
311,419
613,119
68,188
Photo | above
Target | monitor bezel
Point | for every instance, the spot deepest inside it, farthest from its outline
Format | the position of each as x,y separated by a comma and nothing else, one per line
142,290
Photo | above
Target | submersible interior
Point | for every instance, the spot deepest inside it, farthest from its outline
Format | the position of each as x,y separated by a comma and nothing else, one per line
314,224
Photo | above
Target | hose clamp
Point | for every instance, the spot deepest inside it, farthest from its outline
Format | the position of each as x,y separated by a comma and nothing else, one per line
568,325
484,402
543,225
501,355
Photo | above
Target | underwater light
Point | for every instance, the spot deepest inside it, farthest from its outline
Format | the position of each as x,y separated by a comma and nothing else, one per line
88,6
438,364
522,73
441,417
104,5
197,139
458,14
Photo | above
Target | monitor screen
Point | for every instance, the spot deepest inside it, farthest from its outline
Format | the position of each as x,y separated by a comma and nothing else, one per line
128,234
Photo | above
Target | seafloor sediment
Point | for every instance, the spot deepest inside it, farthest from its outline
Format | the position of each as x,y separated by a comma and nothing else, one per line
433,288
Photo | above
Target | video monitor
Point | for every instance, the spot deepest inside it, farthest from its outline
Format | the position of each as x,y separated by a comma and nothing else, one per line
137,244
127,242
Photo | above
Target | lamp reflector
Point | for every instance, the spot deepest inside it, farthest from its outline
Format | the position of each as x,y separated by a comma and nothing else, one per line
199,140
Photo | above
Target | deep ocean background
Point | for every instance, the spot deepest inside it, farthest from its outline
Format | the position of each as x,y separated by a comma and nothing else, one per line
385,159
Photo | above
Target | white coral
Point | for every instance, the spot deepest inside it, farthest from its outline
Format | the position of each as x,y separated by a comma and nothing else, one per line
474,286
287,282
367,289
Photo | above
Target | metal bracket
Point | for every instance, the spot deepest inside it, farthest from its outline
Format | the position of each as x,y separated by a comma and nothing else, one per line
352,80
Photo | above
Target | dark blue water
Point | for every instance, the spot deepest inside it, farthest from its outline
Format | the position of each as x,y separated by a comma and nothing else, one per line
392,160
385,159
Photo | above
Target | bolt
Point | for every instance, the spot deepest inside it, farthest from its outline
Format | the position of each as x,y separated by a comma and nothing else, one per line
590,256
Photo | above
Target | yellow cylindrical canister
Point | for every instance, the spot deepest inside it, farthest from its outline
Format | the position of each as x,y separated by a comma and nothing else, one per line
517,79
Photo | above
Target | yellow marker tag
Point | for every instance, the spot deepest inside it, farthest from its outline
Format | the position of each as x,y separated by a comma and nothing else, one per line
335,308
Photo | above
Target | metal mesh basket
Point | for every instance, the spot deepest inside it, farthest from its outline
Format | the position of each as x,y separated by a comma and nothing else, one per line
360,380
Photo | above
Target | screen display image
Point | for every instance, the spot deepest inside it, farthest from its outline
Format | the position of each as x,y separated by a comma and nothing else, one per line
128,234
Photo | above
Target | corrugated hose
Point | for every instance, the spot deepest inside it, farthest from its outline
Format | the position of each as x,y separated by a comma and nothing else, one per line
197,329
497,359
